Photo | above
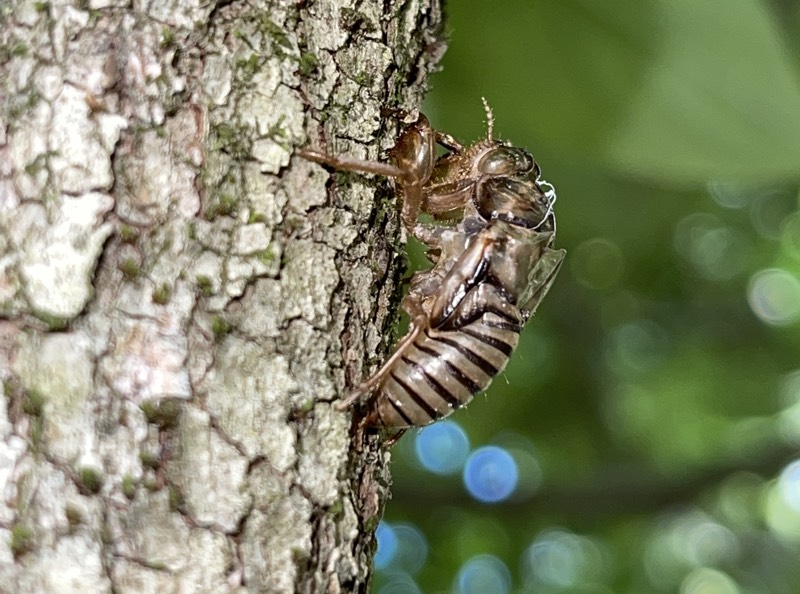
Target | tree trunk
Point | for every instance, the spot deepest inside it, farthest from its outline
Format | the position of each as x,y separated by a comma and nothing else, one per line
182,299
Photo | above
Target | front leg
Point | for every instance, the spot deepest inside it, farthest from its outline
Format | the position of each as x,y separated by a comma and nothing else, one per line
348,163
448,142
411,190
414,158
408,182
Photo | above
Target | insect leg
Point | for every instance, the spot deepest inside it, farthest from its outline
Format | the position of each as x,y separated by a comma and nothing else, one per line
448,142
376,379
467,272
485,298
348,163
445,199
429,235
408,182
412,304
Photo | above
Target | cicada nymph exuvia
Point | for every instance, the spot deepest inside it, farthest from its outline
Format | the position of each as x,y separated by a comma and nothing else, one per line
490,271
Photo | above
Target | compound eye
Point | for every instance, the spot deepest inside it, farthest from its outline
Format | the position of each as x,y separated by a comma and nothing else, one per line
506,161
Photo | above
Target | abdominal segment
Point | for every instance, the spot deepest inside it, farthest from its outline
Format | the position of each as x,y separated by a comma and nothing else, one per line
442,369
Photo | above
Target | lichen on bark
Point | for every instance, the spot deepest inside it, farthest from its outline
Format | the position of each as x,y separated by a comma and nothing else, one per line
182,299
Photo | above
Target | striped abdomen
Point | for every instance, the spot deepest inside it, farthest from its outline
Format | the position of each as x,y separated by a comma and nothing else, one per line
442,369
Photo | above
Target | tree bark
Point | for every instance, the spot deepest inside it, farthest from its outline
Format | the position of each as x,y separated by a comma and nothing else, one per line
182,299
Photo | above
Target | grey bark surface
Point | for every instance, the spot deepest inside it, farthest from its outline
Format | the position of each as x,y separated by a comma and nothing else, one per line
182,299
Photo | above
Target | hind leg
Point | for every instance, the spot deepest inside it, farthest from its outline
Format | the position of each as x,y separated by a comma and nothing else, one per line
413,305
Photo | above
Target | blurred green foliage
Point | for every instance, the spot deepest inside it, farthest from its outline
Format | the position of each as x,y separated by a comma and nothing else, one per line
658,387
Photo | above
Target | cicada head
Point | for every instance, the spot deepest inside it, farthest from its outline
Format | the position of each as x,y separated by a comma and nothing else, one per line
506,161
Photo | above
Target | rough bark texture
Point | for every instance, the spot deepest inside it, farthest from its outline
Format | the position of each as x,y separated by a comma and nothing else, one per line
181,299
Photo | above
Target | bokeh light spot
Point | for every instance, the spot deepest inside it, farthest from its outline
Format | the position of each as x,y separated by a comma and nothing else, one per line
412,548
560,559
441,448
790,389
483,574
387,545
597,263
692,539
770,209
399,582
490,474
790,236
699,540
730,195
782,518
739,499
708,581
789,485
716,251
789,418
774,296
526,456
635,346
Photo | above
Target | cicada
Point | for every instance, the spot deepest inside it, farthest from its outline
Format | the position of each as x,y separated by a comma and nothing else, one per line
492,266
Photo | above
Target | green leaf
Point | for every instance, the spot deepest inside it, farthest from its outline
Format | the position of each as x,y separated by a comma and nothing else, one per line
719,99
674,92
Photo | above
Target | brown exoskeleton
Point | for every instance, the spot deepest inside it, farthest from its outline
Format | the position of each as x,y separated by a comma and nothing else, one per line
490,271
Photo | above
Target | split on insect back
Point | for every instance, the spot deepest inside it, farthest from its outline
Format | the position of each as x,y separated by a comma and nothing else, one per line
490,270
